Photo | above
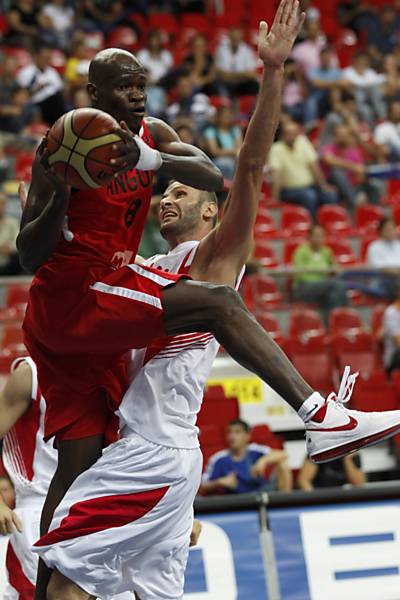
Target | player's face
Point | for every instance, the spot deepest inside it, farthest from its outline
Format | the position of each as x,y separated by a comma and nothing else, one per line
123,94
180,210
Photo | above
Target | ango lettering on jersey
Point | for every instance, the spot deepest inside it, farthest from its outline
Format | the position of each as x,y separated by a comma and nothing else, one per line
129,181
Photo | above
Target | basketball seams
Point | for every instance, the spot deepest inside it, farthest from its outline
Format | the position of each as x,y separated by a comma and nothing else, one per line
77,138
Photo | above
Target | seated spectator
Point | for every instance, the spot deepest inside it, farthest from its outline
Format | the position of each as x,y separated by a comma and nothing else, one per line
77,67
7,490
312,12
201,67
383,37
320,286
325,79
308,53
340,472
24,23
367,87
297,101
57,19
346,170
391,334
236,64
223,141
384,253
155,58
189,103
241,468
387,134
296,175
345,112
103,14
17,113
44,85
9,228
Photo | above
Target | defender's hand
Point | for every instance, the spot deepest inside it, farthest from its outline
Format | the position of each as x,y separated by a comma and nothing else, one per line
8,520
274,46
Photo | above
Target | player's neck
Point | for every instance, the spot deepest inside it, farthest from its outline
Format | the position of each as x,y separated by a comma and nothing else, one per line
181,238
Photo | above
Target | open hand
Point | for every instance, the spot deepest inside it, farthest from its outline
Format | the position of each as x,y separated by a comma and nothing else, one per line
9,521
274,46
130,152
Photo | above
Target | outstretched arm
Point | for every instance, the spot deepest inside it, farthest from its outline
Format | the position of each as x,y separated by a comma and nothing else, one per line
227,248
43,215
15,397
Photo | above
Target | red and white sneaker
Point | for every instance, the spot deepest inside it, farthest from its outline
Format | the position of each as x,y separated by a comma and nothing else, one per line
334,431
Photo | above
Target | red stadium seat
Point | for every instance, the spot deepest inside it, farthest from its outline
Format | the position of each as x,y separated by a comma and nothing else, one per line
246,105
58,60
343,251
365,242
21,55
290,248
343,319
261,434
305,323
265,226
17,295
197,23
265,255
377,322
266,292
296,220
368,217
335,220
217,408
123,37
207,452
352,340
23,166
374,392
316,369
211,435
165,22
271,324
363,362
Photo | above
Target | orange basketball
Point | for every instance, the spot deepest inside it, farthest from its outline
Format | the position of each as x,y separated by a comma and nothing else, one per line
81,144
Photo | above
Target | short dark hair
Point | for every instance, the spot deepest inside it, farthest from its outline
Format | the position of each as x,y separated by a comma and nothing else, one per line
383,222
314,227
346,96
245,426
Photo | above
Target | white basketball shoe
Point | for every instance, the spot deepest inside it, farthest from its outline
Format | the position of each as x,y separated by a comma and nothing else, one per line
334,431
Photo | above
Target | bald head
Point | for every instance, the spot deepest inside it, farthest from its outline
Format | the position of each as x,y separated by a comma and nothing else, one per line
110,61
117,85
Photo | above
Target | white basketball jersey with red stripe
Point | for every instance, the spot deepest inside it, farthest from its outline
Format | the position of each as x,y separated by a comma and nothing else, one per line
29,461
168,377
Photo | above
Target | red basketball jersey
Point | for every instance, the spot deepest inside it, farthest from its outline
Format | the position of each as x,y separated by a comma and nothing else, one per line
105,225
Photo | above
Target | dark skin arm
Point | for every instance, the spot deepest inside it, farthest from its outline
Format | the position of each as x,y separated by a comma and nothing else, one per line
43,214
183,162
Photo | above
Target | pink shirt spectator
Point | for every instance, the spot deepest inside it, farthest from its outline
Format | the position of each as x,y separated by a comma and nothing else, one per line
352,154
292,94
307,54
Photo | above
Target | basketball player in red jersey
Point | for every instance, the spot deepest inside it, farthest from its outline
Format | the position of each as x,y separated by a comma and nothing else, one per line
83,314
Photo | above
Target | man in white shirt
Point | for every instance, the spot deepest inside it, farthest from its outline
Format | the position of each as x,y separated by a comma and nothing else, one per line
366,86
384,253
44,84
236,64
387,134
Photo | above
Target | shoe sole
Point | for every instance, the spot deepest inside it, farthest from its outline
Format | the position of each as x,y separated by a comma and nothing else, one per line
340,451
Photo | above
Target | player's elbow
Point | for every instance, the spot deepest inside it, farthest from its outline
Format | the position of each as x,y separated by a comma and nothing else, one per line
27,260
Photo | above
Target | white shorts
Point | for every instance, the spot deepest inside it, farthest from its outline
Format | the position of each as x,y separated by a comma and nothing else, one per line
125,524
21,562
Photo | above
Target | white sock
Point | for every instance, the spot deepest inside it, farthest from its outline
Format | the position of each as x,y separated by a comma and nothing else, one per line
310,406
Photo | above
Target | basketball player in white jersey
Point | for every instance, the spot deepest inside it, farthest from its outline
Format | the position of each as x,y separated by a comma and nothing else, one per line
30,464
125,523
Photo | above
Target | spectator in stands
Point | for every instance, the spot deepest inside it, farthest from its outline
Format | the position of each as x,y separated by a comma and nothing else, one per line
325,79
189,103
312,12
201,67
44,84
7,491
359,16
367,87
236,64
24,23
187,133
103,14
340,472
77,67
345,112
387,134
391,71
391,334
17,113
296,175
384,253
155,58
320,286
308,53
346,170
383,37
9,228
241,468
224,140
297,101
57,19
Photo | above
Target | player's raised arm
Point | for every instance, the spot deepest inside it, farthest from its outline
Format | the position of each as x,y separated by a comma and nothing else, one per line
43,215
15,397
232,240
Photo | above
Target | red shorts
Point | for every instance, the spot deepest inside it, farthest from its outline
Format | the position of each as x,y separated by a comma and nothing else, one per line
78,329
